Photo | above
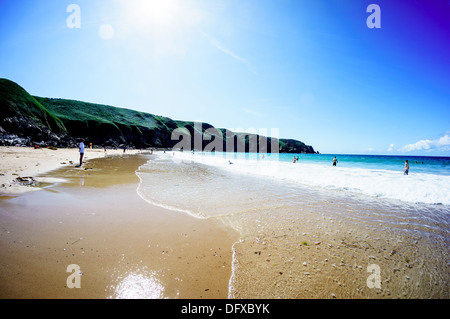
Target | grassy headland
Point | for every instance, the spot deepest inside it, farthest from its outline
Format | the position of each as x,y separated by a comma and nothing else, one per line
30,120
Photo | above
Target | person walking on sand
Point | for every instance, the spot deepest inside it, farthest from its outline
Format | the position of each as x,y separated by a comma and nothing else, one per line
81,148
405,172
335,161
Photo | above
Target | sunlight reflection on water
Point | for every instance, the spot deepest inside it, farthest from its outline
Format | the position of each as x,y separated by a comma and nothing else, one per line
138,285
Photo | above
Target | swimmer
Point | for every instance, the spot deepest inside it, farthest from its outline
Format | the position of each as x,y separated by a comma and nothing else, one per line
335,161
405,172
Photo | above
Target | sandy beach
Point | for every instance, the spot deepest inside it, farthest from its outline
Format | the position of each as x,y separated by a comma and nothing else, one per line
25,162
270,241
92,217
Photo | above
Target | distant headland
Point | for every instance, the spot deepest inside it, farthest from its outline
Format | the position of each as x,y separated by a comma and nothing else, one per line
31,120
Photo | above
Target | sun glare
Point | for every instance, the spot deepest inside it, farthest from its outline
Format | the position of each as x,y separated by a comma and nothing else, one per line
151,13
162,26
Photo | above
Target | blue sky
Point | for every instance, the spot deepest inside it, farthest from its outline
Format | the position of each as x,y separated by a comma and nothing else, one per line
312,69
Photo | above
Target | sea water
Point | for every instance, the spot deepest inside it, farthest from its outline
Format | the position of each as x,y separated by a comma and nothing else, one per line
380,176
309,229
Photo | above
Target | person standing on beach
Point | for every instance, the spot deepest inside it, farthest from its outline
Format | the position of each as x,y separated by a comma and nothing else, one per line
405,172
335,161
81,148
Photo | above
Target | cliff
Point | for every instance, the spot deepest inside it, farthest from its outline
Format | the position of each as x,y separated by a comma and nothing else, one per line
23,117
32,120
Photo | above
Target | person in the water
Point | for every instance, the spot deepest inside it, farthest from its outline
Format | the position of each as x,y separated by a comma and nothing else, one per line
335,161
405,172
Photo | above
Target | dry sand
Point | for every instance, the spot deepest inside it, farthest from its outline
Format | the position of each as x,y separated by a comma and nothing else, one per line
124,247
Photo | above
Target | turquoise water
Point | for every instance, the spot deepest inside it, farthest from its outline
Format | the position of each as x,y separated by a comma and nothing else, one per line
418,164
374,175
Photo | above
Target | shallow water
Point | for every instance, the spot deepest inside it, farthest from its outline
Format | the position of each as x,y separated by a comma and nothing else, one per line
378,176
302,241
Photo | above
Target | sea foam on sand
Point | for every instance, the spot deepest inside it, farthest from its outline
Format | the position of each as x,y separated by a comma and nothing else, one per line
380,183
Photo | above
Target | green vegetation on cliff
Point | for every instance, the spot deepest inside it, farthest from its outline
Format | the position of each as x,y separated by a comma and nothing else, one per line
22,112
62,121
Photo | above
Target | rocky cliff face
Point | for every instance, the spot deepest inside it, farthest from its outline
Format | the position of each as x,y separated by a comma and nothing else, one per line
31,120
294,146
24,120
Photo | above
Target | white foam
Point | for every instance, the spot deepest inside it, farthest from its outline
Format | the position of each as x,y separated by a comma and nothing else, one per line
415,188
141,192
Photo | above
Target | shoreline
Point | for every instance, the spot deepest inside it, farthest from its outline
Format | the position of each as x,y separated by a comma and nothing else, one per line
302,242
27,162
128,247
125,247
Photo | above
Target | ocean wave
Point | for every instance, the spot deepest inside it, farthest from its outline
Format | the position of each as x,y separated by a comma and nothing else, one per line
379,183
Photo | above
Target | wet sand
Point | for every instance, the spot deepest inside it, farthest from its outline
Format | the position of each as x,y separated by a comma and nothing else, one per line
128,248
26,162
298,242
124,247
